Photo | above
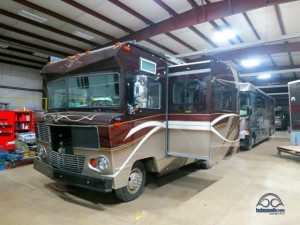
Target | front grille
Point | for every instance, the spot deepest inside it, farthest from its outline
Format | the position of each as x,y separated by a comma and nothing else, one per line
66,162
44,132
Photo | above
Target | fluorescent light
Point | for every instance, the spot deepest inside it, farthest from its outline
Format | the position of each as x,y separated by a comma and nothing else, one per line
250,62
264,76
3,46
32,16
40,55
224,35
83,35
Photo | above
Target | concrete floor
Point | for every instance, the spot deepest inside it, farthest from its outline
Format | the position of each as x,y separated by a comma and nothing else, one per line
225,194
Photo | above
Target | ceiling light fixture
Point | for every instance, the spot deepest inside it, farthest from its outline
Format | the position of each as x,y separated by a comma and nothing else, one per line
264,76
40,55
224,35
3,46
250,63
32,16
83,35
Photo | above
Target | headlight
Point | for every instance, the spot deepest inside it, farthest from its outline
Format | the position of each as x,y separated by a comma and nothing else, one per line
244,132
102,164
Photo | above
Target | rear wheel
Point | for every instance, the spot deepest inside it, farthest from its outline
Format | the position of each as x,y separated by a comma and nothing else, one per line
135,184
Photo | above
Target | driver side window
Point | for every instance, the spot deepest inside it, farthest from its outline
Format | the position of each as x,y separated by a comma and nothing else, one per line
143,92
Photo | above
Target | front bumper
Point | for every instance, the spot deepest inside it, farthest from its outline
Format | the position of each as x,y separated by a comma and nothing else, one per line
92,183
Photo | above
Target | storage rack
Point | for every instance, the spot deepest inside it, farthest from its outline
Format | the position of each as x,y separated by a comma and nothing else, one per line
11,124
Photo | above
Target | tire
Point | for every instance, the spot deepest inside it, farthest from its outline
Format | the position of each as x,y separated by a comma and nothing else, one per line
135,185
203,164
251,144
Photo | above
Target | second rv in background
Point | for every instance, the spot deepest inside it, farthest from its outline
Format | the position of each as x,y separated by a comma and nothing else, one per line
257,121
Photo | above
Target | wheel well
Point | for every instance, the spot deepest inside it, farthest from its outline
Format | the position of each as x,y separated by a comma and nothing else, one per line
149,164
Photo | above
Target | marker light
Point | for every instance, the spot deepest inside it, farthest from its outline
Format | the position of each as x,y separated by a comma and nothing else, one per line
126,48
93,163
117,124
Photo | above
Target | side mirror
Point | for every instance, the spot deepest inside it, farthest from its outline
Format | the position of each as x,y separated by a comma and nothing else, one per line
132,109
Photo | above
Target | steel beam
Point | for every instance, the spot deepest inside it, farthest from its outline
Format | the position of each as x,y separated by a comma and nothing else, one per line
33,46
46,27
20,64
63,18
273,86
206,13
269,72
282,93
38,37
244,49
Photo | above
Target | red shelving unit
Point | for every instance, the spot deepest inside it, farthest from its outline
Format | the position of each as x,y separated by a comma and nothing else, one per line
11,124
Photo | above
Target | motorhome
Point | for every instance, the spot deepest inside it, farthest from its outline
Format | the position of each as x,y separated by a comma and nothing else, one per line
117,113
257,121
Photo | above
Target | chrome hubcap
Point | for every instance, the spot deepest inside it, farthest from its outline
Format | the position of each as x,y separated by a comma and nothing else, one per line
135,180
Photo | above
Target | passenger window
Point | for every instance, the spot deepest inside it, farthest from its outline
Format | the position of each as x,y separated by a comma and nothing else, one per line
225,97
187,92
143,91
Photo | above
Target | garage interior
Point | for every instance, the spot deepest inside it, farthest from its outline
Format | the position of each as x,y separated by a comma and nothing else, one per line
264,49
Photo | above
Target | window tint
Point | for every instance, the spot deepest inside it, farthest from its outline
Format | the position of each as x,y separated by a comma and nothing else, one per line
187,92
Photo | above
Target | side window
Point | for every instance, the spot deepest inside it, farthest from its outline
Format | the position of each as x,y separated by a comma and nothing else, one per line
58,94
143,91
187,92
225,97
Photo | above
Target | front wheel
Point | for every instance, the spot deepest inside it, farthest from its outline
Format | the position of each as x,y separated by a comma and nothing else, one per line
135,184
203,164
251,144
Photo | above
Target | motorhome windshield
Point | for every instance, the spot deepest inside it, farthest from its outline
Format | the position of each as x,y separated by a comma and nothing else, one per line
278,115
96,90
244,103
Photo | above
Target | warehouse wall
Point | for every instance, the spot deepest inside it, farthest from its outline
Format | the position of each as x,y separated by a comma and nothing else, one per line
20,86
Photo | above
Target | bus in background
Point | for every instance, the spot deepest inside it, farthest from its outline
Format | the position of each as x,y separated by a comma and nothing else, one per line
257,118
282,119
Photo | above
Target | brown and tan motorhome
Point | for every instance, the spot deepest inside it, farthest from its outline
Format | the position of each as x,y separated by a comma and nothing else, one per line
122,111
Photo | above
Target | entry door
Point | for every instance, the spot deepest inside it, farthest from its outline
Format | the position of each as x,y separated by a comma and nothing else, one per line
188,132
